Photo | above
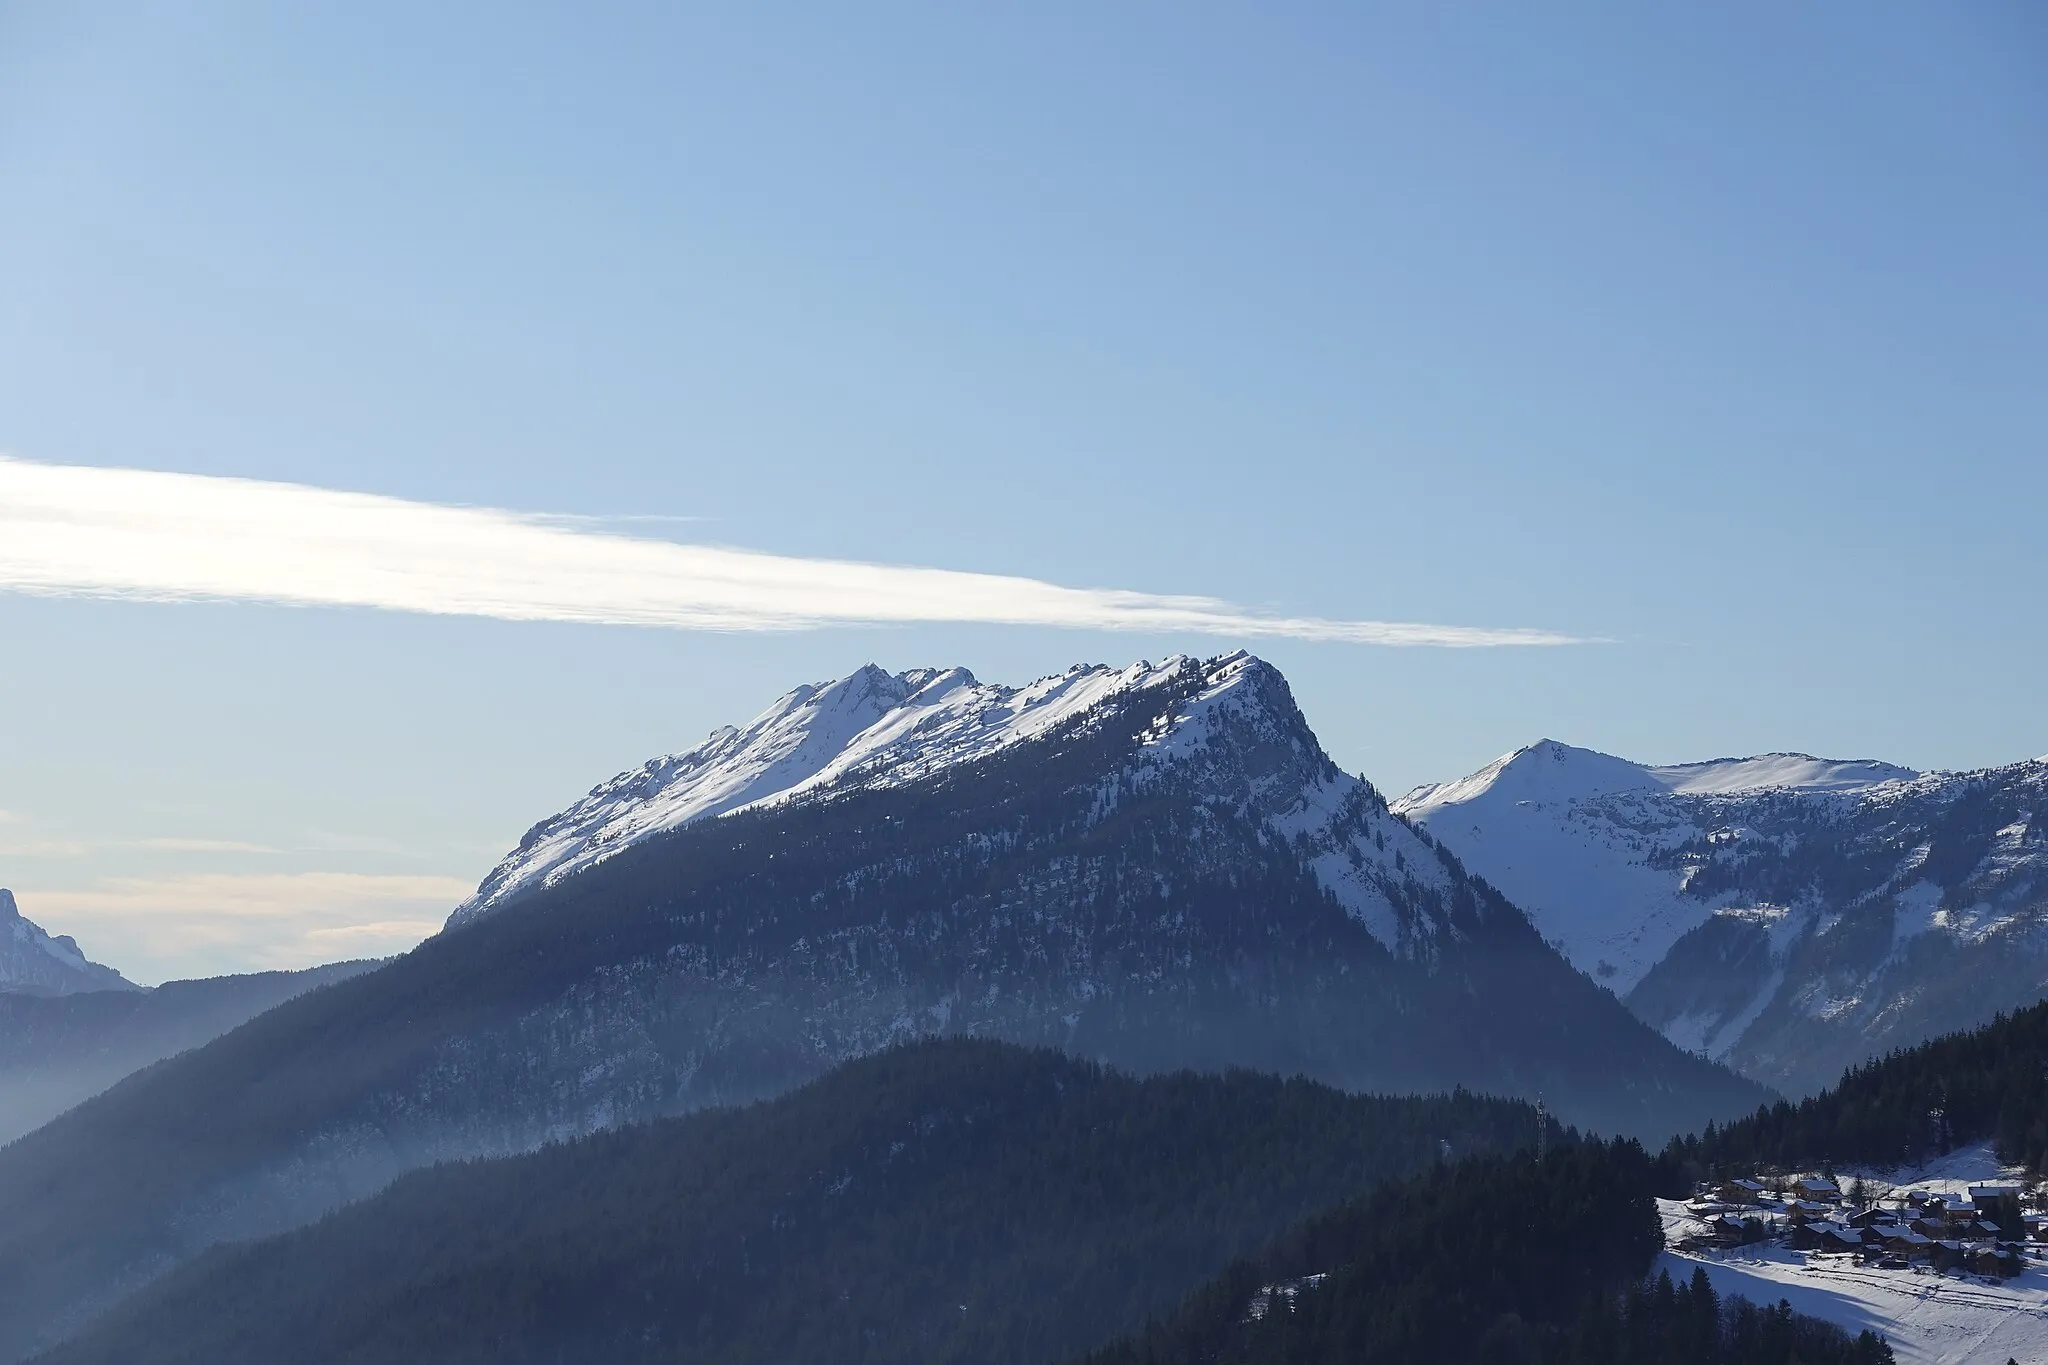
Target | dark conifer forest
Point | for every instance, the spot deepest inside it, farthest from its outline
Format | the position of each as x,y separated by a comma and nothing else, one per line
1987,1084
945,1201
1497,1259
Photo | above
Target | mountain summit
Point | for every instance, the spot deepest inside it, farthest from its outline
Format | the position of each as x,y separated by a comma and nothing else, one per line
870,728
875,731
33,962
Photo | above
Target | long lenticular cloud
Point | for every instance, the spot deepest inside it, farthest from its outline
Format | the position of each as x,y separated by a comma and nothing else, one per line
69,530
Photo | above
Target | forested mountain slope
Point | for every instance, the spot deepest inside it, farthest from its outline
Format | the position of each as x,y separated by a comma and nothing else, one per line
943,1201
1498,1259
1173,875
1788,915
1990,1083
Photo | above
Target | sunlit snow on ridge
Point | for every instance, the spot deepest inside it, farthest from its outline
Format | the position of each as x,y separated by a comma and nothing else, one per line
1569,834
874,729
870,727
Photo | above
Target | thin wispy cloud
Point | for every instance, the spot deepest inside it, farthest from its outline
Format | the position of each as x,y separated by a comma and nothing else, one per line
72,846
128,533
44,848
177,845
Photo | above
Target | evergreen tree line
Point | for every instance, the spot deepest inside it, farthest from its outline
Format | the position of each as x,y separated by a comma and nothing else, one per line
1659,1323
1496,1260
1990,1083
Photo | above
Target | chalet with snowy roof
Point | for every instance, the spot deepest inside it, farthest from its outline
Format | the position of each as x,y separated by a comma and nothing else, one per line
1984,1195
1739,1192
1816,1187
1729,1229
1835,1237
1822,1236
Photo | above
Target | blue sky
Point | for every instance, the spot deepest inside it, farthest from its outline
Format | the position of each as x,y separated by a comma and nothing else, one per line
1718,335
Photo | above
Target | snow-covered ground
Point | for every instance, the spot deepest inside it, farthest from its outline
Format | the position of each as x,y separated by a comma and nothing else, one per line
1950,1175
1928,1318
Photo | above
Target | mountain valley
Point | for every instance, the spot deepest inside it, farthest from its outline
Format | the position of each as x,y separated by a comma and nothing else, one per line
1155,867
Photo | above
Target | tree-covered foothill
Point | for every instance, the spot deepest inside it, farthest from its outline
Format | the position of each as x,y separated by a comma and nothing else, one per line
1987,1084
1504,1259
948,1201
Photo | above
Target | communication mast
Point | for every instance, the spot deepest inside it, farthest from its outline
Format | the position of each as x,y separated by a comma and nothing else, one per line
1542,1129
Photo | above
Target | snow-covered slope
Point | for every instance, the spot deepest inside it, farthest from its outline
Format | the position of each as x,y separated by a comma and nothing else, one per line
1787,914
1585,842
1783,772
35,963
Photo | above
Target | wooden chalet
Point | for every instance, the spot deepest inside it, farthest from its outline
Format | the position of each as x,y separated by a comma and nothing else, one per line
1983,1195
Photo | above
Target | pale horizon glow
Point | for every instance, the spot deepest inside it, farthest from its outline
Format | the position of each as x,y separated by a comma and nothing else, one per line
86,531
188,925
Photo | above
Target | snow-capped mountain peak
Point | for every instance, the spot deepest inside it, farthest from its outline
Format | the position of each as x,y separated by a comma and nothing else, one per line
869,728
1545,771
37,963
1228,727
